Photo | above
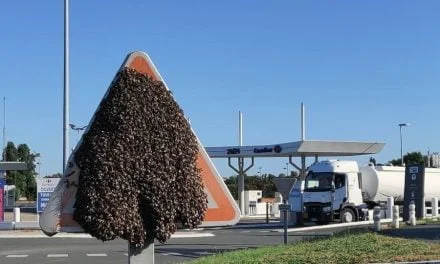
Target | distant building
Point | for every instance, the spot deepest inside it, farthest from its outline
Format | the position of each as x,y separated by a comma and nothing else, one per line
434,160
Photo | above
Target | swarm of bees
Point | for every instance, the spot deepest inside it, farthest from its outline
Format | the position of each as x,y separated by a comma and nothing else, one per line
138,165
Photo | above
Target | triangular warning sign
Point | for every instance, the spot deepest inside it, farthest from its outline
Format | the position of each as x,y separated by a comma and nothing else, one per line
222,209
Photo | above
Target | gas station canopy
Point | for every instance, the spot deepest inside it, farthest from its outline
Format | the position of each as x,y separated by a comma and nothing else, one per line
307,148
12,165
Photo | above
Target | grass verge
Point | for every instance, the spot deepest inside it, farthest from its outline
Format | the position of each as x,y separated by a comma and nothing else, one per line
366,247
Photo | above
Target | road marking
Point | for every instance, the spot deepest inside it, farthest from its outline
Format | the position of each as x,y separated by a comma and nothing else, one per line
126,254
191,235
39,234
57,255
245,231
175,254
96,255
265,231
17,256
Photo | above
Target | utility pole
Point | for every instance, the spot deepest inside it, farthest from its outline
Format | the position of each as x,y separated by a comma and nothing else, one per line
66,152
401,142
4,138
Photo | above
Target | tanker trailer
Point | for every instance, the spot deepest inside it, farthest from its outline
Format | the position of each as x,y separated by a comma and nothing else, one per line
380,182
341,190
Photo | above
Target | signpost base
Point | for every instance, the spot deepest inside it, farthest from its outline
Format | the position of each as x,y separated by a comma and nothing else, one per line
141,255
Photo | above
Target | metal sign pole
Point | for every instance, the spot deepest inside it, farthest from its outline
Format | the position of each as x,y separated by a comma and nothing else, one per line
2,202
141,255
284,186
285,222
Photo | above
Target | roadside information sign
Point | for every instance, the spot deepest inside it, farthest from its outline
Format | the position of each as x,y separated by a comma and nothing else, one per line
45,188
284,186
414,191
284,207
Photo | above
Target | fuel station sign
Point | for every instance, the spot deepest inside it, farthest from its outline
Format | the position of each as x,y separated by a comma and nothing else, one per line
414,190
45,188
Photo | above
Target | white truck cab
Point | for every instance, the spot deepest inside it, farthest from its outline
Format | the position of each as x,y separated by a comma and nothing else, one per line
333,191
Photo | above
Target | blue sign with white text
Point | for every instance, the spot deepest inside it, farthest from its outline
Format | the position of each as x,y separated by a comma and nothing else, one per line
45,188
42,199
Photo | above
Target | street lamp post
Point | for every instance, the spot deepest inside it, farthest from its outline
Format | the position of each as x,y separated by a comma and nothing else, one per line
66,86
78,129
401,141
287,169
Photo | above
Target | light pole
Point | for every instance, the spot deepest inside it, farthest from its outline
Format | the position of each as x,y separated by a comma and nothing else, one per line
287,171
401,142
4,132
78,129
66,86
259,171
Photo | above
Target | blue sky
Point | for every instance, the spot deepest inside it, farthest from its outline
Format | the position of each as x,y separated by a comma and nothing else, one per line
360,67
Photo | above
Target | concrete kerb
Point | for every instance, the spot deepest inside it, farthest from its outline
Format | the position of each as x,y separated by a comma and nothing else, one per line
27,225
415,262
299,229
354,224
7,225
22,225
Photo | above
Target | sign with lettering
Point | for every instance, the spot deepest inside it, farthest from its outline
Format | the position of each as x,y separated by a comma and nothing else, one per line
414,190
2,202
284,207
45,188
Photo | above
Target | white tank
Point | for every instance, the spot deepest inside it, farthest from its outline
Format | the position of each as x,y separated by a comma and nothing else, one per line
380,182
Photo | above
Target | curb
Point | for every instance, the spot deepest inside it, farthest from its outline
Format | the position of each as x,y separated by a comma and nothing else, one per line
7,225
27,225
308,228
415,262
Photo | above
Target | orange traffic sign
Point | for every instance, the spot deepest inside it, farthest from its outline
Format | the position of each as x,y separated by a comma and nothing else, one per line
222,209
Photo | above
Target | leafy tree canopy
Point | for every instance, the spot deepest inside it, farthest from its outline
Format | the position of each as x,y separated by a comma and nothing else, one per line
55,175
263,182
23,180
411,158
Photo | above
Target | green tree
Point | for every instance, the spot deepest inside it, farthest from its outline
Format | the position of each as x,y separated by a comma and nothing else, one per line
411,158
231,183
55,175
23,180
11,152
253,182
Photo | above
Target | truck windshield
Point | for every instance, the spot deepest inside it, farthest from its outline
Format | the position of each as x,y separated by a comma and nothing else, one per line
319,181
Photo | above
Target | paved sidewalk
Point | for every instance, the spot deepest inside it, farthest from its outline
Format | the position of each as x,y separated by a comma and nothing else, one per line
9,216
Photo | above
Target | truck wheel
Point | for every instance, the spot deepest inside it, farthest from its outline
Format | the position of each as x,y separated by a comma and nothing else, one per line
348,216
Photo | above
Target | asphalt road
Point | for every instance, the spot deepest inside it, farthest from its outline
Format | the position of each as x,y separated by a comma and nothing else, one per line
176,250
428,233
